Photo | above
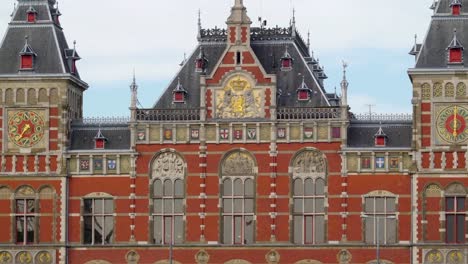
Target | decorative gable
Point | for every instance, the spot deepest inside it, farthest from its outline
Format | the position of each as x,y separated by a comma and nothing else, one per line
380,138
100,140
27,55
455,50
31,15
179,93
303,92
286,61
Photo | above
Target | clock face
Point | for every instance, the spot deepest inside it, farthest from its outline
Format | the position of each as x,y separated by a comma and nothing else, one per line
25,128
451,124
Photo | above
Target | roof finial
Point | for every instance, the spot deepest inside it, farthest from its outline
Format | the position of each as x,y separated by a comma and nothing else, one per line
344,86
199,25
14,9
134,91
308,40
26,38
293,23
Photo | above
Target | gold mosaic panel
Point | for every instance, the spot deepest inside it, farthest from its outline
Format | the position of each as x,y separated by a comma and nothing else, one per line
210,133
322,133
181,133
295,132
73,164
352,162
265,132
155,133
125,164
407,162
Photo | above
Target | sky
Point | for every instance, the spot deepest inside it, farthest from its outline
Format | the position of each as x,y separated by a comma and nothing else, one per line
114,37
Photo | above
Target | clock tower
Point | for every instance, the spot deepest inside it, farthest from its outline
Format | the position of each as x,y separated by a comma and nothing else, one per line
40,93
440,133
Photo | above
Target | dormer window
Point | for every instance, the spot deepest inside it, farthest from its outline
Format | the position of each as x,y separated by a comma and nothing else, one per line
456,6
455,50
201,63
56,15
100,140
27,57
286,61
31,15
303,92
72,57
179,93
380,138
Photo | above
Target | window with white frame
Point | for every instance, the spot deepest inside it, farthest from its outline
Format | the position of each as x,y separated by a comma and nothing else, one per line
98,221
309,211
238,210
25,215
168,211
455,214
380,220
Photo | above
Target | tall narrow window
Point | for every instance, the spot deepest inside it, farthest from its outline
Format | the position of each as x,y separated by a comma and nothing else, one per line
455,213
238,58
380,220
168,198
238,198
25,220
168,211
98,217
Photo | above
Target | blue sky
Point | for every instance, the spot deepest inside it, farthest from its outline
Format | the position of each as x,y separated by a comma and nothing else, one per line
119,35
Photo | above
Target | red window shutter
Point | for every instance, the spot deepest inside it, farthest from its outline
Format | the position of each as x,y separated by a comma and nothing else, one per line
73,67
26,62
456,10
286,63
99,144
31,17
336,132
303,95
380,141
179,97
455,56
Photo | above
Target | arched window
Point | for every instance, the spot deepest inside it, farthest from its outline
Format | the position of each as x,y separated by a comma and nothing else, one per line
308,197
455,213
238,198
168,198
26,215
98,219
380,219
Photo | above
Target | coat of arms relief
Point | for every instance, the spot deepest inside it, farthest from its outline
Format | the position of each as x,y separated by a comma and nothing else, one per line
239,100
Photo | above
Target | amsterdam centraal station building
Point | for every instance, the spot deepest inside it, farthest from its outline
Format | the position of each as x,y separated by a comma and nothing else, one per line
244,159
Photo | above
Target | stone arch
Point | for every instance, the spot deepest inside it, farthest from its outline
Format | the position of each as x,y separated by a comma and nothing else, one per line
237,261
432,190
43,95
9,97
455,189
46,192
32,98
20,94
54,96
25,191
308,261
168,163
98,262
238,162
5,192
309,162
449,90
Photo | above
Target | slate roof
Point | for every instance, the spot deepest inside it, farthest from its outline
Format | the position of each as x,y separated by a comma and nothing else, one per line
433,52
82,136
269,50
45,38
361,134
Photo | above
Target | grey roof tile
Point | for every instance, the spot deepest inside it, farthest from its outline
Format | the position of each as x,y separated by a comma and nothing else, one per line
361,134
118,137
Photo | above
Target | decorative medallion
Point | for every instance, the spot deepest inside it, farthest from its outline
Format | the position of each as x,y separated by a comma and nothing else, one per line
281,133
111,164
84,164
202,257
308,132
224,133
24,257
272,257
43,257
455,257
98,164
380,162
141,135
168,164
451,124
434,257
251,133
237,134
167,134
26,191
309,163
26,128
195,134
344,257
6,257
238,164
132,257
238,100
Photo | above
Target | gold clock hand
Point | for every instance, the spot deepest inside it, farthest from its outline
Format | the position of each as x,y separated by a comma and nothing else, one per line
25,129
455,121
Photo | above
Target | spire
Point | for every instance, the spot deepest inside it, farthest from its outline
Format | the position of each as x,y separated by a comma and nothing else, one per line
199,25
293,23
134,91
308,40
344,86
239,14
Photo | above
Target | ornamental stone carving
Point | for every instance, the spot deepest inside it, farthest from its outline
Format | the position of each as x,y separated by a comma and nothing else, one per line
455,257
98,262
344,257
6,257
434,257
168,165
272,257
237,261
308,261
455,189
132,257
25,191
238,164
433,191
202,257
43,257
24,257
309,163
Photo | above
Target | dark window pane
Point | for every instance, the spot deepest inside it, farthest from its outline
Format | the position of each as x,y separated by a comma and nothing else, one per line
460,228
391,205
168,230
238,189
157,205
369,230
20,206
157,188
227,232
227,205
380,229
179,188
88,230
227,187
109,229
238,230
168,188
157,226
30,227
298,229
168,206
30,206
369,205
20,229
450,229
309,229
178,230
460,204
391,231
319,205
98,206
249,188
450,204
109,206
379,205
249,230
298,206
249,206
88,206
98,229
178,206
309,187
238,205
308,205
319,229
298,187
320,187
